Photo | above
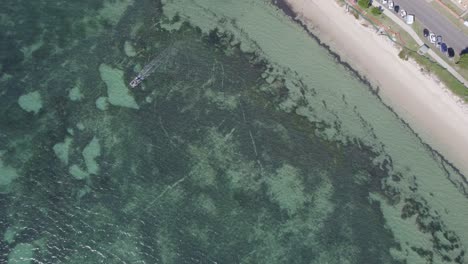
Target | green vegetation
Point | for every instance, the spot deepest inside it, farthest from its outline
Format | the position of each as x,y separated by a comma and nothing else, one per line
364,3
355,14
376,11
442,74
403,54
463,61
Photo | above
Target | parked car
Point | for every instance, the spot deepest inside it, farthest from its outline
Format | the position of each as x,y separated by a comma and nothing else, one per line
403,13
409,19
390,4
443,48
438,41
450,52
432,38
384,2
396,9
426,32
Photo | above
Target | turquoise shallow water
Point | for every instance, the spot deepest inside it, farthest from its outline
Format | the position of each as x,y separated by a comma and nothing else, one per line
252,144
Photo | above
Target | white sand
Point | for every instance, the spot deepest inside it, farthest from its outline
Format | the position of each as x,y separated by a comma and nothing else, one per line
432,111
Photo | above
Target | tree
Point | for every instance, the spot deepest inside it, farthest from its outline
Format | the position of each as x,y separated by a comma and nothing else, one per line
376,11
364,3
463,61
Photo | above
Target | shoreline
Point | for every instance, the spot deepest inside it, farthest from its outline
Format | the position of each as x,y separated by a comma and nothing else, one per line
434,113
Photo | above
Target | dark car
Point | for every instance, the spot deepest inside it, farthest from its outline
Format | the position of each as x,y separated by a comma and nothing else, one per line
396,9
426,32
443,48
450,52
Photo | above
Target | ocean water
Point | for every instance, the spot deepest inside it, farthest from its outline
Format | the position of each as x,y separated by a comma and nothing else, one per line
252,143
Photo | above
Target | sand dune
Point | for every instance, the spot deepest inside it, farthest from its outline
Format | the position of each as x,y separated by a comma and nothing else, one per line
439,117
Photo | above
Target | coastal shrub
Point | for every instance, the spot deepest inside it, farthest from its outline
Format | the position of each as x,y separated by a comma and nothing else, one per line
376,11
364,3
403,54
463,61
356,14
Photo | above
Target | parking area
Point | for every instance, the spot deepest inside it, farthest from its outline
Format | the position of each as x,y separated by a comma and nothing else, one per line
439,31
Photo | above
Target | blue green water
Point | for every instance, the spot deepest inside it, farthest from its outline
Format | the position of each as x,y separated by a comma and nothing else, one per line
220,156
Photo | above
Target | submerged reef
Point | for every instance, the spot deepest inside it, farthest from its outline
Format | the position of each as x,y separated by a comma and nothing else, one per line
226,154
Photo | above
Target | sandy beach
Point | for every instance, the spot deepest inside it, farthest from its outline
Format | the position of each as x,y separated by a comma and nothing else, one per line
432,111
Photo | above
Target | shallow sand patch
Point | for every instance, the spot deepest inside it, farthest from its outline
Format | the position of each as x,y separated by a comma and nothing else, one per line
129,49
77,172
62,149
90,153
9,235
80,126
7,175
286,188
21,254
102,103
117,91
31,102
114,10
75,94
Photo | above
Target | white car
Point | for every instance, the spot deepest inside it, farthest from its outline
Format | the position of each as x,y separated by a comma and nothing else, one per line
409,19
403,13
390,4
432,38
384,2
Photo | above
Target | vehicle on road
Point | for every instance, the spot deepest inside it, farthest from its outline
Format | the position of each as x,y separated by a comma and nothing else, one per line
443,48
403,13
432,38
396,9
450,52
438,41
390,4
384,2
426,32
409,19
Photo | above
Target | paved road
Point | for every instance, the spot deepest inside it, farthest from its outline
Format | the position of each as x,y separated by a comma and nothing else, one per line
418,40
435,22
